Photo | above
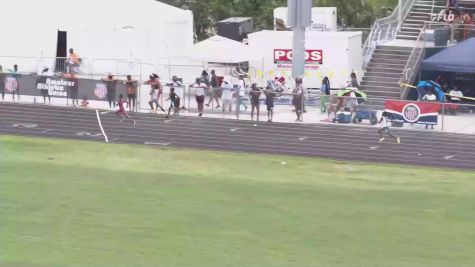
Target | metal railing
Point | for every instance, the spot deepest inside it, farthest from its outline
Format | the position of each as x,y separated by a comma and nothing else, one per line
386,29
413,63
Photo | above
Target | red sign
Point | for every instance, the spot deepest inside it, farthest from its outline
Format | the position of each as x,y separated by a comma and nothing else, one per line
285,56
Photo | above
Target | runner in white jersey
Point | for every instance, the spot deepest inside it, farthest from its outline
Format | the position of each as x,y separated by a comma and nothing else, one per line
385,129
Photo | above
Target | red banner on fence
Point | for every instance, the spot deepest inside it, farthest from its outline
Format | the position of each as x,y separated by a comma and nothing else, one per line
412,112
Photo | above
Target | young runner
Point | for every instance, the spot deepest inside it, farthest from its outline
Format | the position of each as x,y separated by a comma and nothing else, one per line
385,129
155,92
121,112
174,102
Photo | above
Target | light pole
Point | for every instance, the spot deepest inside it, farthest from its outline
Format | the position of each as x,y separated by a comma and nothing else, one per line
299,17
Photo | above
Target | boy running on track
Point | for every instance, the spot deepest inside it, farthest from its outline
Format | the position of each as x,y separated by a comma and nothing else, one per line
174,102
385,129
121,112
155,92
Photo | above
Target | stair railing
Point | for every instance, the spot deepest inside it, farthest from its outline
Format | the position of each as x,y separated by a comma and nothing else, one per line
413,64
386,29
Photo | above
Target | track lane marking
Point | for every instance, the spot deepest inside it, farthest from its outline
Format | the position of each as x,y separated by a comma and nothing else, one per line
100,125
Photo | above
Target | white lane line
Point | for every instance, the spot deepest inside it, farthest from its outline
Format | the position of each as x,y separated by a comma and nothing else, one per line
168,121
156,144
303,138
89,134
374,147
234,129
24,125
100,125
45,131
106,112
449,157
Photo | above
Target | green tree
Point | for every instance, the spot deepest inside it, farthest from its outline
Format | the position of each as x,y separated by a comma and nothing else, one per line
351,13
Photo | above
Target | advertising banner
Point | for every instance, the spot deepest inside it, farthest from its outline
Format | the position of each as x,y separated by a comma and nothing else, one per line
412,112
283,58
61,87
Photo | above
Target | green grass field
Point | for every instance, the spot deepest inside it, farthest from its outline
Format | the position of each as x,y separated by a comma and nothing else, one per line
68,203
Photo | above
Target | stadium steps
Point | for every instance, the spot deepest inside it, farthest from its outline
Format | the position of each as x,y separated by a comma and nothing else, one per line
420,13
384,71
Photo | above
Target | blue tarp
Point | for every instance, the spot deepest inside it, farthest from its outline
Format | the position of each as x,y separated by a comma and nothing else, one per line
459,58
423,86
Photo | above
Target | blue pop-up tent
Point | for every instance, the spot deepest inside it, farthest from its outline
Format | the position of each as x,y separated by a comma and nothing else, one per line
458,58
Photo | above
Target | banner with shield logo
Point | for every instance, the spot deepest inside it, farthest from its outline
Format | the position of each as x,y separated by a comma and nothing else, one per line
412,112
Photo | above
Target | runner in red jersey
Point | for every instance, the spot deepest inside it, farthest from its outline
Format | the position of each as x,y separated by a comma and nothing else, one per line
121,112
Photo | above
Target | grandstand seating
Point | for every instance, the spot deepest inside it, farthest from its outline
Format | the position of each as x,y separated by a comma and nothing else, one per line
384,70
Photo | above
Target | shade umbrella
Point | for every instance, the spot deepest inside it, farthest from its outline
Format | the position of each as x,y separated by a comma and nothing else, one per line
360,95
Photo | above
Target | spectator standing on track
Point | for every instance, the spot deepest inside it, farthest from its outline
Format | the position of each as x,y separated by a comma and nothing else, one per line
200,88
241,94
214,90
269,103
131,92
255,94
227,96
121,112
13,84
155,92
385,129
111,85
324,94
42,79
297,98
174,102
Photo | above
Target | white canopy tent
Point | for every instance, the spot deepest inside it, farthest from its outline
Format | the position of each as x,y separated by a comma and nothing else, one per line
218,49
138,30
